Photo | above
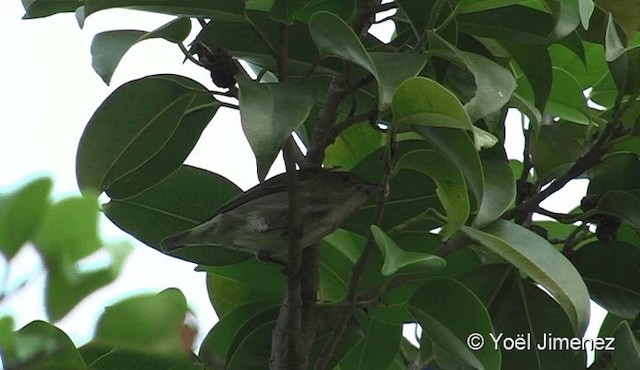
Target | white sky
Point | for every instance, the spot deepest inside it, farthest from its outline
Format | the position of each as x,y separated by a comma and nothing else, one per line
49,91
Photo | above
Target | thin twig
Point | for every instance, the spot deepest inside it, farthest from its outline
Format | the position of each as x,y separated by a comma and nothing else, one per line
357,272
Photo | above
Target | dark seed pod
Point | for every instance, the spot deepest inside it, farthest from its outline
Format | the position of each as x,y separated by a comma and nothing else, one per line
219,61
607,230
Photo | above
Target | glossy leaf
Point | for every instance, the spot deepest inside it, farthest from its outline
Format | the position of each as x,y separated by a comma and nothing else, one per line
456,146
334,37
21,213
450,186
494,84
535,62
448,312
269,113
499,189
170,207
131,126
535,257
610,271
627,353
566,99
194,8
109,47
422,101
396,259
254,350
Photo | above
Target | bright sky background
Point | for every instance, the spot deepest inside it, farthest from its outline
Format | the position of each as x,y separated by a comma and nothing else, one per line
48,93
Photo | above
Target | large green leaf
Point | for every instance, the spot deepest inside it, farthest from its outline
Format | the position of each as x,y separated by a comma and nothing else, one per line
553,150
422,101
269,113
67,283
334,37
152,322
499,187
458,147
619,171
627,353
377,349
216,9
535,257
620,204
566,99
70,229
45,8
109,47
171,206
494,83
611,273
132,126
217,344
451,188
21,213
448,313
535,63
40,345
102,356
520,309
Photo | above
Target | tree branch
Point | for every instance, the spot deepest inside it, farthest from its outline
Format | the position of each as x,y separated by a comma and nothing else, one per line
357,272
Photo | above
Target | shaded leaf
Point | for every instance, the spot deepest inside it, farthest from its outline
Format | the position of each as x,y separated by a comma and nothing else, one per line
269,113
627,353
448,312
40,345
170,207
535,257
499,189
611,273
109,47
334,37
131,126
377,349
620,204
450,186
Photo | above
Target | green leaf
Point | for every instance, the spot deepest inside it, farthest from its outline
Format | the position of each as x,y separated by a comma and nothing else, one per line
21,213
516,23
494,83
422,101
586,8
566,99
553,150
284,10
519,308
535,257
618,171
103,356
472,6
151,322
334,37
109,47
263,278
40,345
254,350
131,127
171,206
456,146
269,113
396,259
451,188
70,229
535,63
377,349
613,45
215,9
567,17
448,313
611,274
172,154
67,284
45,8
620,204
352,145
627,353
217,344
499,189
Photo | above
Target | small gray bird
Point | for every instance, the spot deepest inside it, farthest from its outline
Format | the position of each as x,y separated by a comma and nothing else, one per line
257,220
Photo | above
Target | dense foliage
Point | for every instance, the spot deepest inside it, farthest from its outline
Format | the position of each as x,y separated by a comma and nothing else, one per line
451,241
